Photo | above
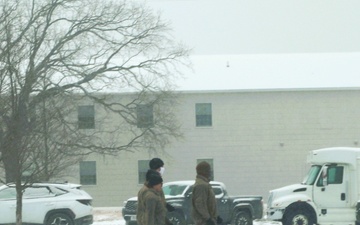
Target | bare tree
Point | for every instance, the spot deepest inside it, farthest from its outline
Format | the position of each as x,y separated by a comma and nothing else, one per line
57,54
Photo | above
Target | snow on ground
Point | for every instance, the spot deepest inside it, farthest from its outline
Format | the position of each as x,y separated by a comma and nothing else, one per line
112,216
108,216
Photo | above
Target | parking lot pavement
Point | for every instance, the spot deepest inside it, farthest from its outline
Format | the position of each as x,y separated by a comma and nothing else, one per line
112,216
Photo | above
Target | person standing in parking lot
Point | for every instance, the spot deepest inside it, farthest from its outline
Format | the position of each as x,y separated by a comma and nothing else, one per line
154,211
203,198
156,166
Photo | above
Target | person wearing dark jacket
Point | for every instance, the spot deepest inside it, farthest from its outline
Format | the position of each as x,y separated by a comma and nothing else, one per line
157,164
156,167
154,211
204,211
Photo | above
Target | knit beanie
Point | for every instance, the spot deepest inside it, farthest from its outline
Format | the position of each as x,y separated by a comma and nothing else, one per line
156,163
154,179
203,168
151,172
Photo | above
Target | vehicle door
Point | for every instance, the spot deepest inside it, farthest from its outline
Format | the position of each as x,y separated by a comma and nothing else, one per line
37,201
8,205
222,202
331,194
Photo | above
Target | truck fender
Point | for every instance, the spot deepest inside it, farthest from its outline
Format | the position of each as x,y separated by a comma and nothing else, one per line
243,207
286,201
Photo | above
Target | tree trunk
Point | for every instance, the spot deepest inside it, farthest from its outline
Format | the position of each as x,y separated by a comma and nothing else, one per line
19,195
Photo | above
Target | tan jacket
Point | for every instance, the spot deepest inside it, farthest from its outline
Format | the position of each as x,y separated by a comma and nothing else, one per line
140,211
141,207
203,201
151,209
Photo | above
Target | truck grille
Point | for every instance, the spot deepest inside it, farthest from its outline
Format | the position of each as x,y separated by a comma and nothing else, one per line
131,206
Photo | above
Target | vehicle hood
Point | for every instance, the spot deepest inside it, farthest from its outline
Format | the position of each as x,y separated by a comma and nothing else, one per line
283,196
132,199
290,189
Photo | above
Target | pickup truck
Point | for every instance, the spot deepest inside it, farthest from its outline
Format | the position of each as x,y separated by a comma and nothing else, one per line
239,210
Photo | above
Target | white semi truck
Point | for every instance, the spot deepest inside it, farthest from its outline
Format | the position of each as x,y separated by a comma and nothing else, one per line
329,194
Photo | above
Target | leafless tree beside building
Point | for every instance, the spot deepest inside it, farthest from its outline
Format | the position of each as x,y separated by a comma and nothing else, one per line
55,54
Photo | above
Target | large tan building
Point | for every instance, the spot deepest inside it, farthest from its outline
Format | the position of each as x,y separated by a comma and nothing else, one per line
256,140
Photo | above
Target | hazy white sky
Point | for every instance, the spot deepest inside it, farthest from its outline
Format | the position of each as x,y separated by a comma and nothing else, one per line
264,26
248,27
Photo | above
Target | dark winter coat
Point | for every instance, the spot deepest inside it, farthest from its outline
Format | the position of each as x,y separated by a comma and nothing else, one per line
140,211
203,201
151,209
140,207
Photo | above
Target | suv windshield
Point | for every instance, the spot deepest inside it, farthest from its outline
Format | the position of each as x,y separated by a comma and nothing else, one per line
174,190
312,175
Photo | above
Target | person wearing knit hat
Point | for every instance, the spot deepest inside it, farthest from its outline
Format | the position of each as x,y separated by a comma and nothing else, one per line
154,181
157,165
156,168
154,211
204,169
204,211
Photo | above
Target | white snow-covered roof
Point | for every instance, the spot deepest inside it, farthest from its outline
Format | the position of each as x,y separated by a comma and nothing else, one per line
272,71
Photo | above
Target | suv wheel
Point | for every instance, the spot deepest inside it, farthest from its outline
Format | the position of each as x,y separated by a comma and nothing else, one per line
59,219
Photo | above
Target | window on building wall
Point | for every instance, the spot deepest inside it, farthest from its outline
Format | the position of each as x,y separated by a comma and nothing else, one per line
86,117
143,167
211,162
145,116
203,114
88,172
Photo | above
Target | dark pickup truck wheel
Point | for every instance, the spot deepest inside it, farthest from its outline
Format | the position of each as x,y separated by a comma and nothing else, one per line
242,218
176,218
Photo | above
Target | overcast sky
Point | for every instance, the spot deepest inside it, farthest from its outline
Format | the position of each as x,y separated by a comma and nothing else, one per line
247,27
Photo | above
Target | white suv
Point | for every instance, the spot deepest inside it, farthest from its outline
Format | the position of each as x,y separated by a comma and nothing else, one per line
47,203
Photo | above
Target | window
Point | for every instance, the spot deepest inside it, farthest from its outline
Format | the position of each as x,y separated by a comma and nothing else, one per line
218,191
143,167
86,117
203,115
312,175
37,192
145,117
88,172
8,193
211,162
333,175
174,190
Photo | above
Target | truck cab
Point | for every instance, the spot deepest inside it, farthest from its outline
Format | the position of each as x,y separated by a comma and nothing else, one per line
329,193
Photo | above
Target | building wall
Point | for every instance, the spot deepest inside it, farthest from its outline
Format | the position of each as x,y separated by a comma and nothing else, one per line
259,141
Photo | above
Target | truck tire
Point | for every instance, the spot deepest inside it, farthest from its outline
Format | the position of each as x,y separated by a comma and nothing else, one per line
242,218
300,216
176,218
59,219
